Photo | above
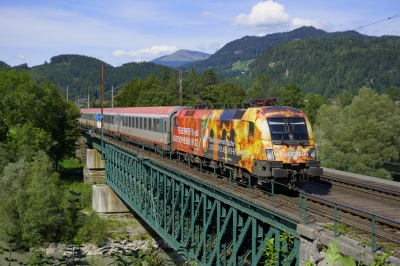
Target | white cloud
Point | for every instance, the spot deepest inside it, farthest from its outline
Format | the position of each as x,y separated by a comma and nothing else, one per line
215,46
272,15
265,14
20,57
207,14
316,23
201,47
155,51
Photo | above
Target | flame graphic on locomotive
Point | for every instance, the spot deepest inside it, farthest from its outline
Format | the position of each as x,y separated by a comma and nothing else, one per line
268,141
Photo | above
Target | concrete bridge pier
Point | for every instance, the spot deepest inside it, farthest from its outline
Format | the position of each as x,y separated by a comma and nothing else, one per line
94,172
106,201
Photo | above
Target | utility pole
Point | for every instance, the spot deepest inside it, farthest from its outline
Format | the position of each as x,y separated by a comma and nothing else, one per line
112,96
67,92
88,101
180,86
101,96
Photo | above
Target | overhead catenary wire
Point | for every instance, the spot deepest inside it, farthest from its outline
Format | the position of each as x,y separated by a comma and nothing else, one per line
341,33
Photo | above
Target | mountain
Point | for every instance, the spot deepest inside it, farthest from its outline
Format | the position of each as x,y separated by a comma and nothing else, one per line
3,65
180,57
236,55
328,67
82,74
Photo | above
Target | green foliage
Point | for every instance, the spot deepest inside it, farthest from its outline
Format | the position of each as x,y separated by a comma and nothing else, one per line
341,228
312,105
367,128
270,252
93,230
31,209
259,88
35,117
3,65
392,93
380,260
333,257
38,203
291,95
332,254
328,67
164,92
345,99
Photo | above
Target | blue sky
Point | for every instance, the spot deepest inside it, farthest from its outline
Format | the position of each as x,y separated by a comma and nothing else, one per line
118,32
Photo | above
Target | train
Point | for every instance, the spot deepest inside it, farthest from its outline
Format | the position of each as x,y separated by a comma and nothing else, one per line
272,142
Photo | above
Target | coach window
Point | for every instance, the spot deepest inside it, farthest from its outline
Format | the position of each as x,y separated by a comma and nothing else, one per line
155,124
141,123
157,128
251,129
150,124
165,126
145,124
161,126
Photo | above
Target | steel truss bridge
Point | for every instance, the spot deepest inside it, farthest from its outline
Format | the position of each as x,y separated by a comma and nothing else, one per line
214,226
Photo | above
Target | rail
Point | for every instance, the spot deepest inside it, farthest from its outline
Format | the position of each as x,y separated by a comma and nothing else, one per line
359,165
141,149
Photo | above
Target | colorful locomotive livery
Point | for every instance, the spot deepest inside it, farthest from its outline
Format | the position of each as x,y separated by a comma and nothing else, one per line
266,141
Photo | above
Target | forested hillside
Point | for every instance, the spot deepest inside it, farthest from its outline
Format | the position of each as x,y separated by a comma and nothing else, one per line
82,74
3,65
328,67
250,47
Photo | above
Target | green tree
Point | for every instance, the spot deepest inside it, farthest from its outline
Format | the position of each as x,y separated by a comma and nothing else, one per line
259,87
345,99
39,203
17,100
291,95
368,128
312,105
392,93
129,94
231,93
11,184
165,76
58,117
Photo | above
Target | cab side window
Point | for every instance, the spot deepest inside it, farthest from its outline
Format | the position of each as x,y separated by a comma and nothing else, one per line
251,129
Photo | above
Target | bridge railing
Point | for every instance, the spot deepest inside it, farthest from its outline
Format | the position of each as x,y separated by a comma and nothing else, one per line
145,150
375,168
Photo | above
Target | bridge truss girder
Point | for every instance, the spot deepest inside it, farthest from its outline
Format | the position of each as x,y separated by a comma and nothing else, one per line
220,228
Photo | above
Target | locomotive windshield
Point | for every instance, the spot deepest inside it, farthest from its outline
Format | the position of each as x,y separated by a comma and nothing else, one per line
288,130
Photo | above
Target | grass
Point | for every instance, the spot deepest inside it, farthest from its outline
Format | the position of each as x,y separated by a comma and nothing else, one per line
242,65
341,228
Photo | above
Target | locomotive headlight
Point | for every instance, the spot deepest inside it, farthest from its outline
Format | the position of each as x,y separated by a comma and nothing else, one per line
312,151
270,154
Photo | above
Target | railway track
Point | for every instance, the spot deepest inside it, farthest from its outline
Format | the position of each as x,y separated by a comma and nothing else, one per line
316,205
379,192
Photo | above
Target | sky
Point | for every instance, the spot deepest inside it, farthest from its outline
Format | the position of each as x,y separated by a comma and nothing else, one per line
118,32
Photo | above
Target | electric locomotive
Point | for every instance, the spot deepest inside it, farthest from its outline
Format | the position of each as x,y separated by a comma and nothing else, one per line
266,141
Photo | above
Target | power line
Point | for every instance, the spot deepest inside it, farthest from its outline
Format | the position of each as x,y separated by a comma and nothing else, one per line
392,17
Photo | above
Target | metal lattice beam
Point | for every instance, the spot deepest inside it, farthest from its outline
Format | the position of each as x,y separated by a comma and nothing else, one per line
223,228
